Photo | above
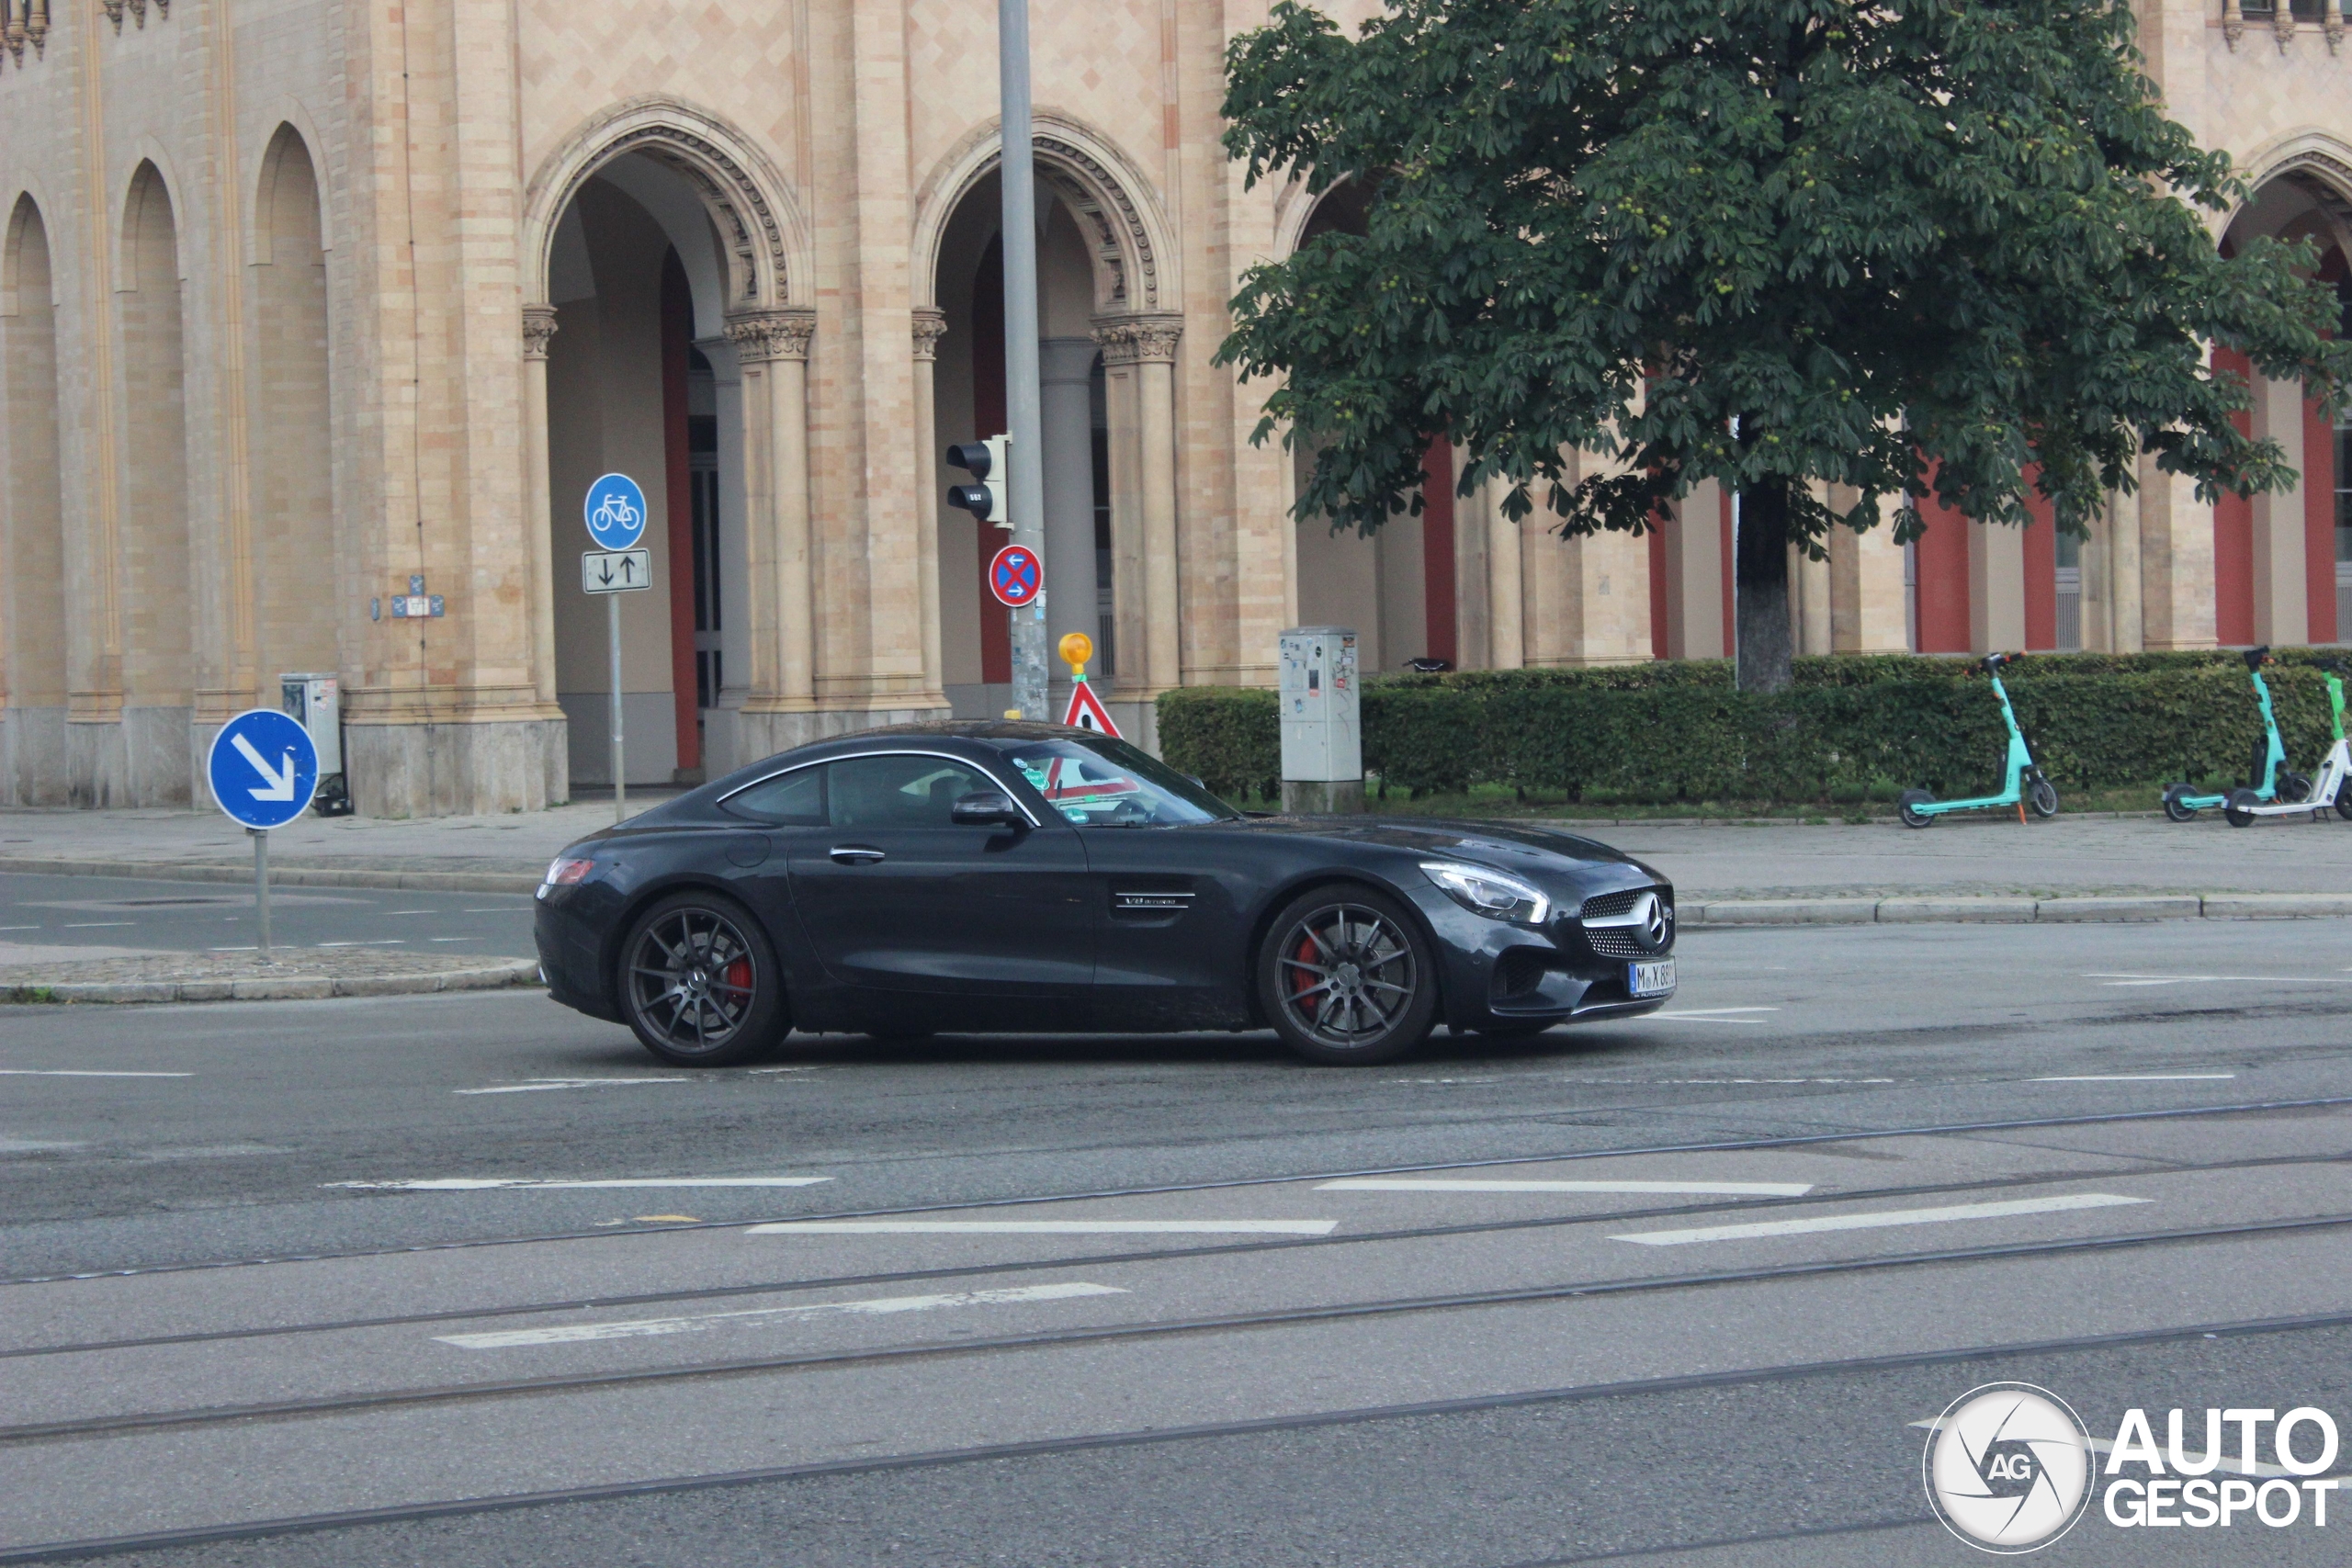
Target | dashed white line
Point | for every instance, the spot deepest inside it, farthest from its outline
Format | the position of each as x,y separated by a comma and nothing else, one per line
95,925
1047,1227
2137,1078
1879,1218
573,1334
2122,979
378,942
81,1073
487,1183
1729,1189
534,1084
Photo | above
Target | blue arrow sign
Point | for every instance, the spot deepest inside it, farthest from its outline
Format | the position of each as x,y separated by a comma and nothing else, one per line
615,511
262,768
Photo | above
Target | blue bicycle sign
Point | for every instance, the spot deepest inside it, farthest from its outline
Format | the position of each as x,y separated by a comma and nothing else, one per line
615,511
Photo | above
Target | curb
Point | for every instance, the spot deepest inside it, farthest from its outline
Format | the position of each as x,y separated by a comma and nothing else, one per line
279,875
282,988
2013,912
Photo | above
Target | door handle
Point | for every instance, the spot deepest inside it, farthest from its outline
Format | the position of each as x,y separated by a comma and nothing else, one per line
856,854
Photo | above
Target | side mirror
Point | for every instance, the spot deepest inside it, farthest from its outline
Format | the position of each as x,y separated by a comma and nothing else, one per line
987,809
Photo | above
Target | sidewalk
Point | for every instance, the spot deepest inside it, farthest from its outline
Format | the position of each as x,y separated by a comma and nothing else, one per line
1877,871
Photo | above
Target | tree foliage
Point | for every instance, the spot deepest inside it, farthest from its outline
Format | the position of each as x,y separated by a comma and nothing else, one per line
1928,247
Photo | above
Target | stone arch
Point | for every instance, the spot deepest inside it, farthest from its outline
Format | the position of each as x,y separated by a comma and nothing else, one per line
763,239
152,557
2318,164
1296,207
293,492
1134,257
294,124
32,521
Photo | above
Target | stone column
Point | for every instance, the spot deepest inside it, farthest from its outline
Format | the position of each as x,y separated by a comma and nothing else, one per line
2112,578
1995,588
538,515
2175,562
930,326
1506,585
2281,570
1866,608
771,347
1066,374
1139,359
1809,603
1695,573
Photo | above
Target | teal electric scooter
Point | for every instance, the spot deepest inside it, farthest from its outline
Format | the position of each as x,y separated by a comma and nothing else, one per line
2329,789
2025,787
2268,778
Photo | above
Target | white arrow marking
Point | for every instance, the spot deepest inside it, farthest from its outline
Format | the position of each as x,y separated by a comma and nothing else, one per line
281,786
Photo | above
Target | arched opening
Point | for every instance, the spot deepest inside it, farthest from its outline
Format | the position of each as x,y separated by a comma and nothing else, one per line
2282,563
967,392
157,680
293,498
642,380
33,769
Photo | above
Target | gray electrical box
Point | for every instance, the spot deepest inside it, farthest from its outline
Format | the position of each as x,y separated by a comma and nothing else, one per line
1321,707
315,701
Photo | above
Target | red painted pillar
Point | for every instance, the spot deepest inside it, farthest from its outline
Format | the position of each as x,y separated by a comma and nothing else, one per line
677,342
2233,535
2320,479
1731,585
1942,558
1438,600
987,413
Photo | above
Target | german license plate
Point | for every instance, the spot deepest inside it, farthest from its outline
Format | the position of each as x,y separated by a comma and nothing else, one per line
1655,979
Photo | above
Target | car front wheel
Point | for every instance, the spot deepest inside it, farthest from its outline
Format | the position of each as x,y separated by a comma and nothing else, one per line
1347,980
699,982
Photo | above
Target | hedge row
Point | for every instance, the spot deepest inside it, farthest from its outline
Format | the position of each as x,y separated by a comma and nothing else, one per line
1852,728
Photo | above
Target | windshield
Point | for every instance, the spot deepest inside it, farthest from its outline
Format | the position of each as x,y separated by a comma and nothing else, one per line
1109,784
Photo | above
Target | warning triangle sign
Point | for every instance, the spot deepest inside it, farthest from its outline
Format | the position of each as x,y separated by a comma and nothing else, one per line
1087,712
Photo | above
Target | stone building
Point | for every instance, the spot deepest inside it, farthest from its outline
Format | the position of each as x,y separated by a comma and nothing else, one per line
303,300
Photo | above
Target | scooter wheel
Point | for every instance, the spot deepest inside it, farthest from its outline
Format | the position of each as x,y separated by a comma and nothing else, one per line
2240,810
2177,805
2293,788
2042,796
1907,803
2344,802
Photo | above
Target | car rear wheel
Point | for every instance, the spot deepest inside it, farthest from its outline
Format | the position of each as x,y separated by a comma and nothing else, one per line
1347,980
699,982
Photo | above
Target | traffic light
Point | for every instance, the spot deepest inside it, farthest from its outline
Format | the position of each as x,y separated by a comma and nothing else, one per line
984,498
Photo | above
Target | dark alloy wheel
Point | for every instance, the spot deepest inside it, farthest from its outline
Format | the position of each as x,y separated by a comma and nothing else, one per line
1346,979
699,982
2177,805
2240,810
2042,796
2293,787
1907,803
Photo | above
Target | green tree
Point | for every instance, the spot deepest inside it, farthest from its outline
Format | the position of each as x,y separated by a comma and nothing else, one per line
1932,246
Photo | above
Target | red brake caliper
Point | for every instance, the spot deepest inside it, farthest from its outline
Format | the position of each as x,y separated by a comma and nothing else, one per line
739,974
1302,980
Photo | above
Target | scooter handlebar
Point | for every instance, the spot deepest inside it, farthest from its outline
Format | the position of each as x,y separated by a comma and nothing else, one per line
2256,658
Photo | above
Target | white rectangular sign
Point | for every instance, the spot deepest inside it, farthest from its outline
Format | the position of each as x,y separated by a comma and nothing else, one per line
616,571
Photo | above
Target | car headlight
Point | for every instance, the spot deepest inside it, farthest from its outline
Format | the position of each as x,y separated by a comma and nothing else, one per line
1484,891
565,870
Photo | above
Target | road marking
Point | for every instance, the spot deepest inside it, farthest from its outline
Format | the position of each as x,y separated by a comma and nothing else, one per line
1644,1082
378,942
1050,1227
486,1183
412,911
81,1073
1711,1012
1733,1189
20,928
2121,979
453,939
1882,1217
537,1084
95,925
573,1334
2137,1078
247,948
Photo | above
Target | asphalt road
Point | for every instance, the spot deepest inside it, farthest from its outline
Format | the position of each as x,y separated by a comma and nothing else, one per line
471,1279
68,917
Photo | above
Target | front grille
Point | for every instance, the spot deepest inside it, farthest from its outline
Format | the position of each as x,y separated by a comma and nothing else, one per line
1620,940
1602,904
1615,941
1518,973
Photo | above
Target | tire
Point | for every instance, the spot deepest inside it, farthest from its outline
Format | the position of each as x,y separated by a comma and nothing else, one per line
2292,788
1346,978
699,982
2042,796
2175,797
2344,800
2238,811
1906,806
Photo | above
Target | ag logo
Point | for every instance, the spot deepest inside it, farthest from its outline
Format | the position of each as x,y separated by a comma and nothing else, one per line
2008,1467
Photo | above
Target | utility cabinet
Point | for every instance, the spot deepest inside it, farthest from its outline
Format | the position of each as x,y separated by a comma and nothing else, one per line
1322,728
314,701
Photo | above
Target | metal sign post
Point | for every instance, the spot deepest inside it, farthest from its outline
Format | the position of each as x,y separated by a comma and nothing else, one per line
263,768
1024,409
615,512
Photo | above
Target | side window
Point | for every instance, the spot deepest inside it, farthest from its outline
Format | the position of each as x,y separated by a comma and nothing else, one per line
795,799
901,792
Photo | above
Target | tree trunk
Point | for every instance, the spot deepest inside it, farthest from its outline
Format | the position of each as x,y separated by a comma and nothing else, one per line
1762,579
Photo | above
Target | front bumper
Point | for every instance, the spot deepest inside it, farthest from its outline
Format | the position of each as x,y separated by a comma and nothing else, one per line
1503,976
572,948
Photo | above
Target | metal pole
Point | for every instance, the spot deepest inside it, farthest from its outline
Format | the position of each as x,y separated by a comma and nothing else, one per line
1023,416
620,775
261,882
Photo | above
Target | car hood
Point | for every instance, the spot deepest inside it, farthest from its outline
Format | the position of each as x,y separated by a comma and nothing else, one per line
1503,845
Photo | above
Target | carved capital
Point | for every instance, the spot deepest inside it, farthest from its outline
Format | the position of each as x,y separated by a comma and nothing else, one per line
2282,23
538,325
2232,23
760,337
931,325
114,12
1138,340
2332,25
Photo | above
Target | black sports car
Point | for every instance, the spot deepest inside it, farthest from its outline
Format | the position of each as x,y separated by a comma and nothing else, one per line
1007,877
